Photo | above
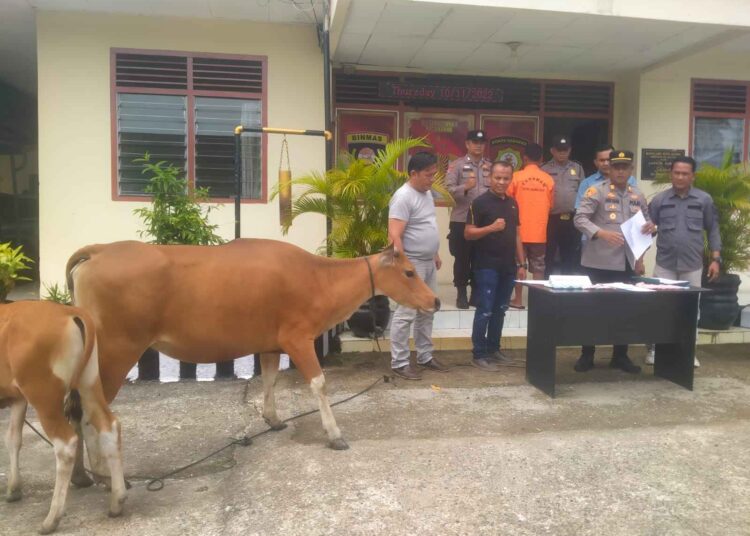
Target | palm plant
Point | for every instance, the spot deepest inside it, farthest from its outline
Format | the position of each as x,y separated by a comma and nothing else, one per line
729,186
355,195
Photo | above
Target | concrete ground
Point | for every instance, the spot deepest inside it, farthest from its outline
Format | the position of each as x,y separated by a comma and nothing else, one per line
465,452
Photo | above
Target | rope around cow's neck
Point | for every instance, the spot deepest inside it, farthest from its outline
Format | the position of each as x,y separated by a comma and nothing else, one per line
372,278
372,312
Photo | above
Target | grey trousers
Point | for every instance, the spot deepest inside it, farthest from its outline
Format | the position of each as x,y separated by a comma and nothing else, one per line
694,278
404,317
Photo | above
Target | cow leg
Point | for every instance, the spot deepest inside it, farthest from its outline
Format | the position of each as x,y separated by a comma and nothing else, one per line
64,440
116,357
13,443
306,361
269,366
105,434
97,461
48,399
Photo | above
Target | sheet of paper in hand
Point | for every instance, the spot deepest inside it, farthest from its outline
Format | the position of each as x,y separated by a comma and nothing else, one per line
636,240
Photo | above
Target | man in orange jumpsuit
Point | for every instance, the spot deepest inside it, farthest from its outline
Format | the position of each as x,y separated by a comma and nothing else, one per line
534,192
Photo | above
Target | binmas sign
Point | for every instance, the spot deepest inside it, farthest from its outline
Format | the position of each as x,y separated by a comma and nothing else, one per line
420,92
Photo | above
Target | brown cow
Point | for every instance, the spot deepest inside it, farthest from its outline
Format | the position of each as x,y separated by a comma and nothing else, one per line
48,351
205,304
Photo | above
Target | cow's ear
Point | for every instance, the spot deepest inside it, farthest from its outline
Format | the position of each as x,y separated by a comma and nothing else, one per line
389,255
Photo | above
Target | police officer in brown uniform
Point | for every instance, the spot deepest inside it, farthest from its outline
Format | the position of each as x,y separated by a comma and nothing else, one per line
467,178
561,233
606,258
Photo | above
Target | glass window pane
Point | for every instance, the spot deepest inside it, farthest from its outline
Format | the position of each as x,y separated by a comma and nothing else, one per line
713,136
156,124
215,119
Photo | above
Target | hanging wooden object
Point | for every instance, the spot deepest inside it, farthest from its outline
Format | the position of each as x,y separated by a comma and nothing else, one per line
285,186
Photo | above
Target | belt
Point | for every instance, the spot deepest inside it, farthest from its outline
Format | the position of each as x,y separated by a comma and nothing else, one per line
565,216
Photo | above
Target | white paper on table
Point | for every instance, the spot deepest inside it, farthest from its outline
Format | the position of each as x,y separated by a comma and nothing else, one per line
623,286
569,281
636,240
541,282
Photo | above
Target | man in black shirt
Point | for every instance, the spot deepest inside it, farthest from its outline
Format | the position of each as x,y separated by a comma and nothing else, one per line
493,223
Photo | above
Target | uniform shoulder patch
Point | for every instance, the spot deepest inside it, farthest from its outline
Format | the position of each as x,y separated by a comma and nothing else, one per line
591,192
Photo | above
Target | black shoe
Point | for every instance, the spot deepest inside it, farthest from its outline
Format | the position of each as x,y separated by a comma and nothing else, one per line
624,363
462,302
434,365
500,358
408,372
584,363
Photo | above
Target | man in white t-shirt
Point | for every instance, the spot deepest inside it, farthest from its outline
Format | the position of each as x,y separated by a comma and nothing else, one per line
412,227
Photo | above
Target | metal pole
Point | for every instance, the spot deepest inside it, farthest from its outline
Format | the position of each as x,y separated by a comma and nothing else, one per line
237,178
323,342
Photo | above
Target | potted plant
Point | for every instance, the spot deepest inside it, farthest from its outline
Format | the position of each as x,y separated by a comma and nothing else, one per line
729,186
354,195
175,216
12,263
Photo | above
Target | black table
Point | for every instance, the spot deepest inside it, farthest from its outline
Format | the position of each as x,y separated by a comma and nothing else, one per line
608,316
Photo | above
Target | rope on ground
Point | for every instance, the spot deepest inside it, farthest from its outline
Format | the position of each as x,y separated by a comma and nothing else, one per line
157,483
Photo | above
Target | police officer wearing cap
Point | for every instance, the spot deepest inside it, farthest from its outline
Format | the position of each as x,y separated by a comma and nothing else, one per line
606,258
561,233
467,178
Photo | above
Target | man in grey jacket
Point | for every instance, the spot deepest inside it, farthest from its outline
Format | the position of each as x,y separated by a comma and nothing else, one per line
681,214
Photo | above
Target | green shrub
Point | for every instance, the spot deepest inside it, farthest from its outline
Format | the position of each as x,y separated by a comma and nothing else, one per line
175,215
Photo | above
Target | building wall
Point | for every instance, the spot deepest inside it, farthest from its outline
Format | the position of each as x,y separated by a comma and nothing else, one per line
76,206
625,113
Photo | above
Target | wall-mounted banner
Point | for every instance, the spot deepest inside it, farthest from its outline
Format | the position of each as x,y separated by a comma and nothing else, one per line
445,132
508,137
410,91
364,133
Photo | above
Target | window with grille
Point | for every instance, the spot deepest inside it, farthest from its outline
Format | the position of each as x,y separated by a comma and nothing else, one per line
183,108
720,115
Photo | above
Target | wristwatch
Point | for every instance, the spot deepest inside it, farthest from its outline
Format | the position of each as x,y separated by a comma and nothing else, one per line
524,265
717,259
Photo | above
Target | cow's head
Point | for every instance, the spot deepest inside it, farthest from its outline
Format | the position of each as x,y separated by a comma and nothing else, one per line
396,277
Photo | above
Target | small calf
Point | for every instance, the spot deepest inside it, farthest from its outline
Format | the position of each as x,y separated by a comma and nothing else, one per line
47,353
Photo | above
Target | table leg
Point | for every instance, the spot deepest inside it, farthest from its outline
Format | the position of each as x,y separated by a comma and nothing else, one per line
674,362
540,364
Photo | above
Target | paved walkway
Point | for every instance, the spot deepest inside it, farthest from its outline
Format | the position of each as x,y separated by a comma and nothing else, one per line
460,453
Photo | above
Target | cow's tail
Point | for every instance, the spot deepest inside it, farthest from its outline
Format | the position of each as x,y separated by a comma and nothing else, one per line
82,255
73,408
